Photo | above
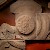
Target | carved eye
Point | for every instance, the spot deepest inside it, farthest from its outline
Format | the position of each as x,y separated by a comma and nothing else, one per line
2,32
7,31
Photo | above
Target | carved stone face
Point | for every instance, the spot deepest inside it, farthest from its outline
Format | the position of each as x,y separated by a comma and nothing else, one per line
7,32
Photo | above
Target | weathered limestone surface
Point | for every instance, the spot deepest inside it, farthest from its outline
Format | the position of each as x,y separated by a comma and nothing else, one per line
12,45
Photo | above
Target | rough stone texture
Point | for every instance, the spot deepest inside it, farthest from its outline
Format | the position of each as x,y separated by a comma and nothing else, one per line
7,31
44,27
18,43
5,45
25,24
25,6
41,27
